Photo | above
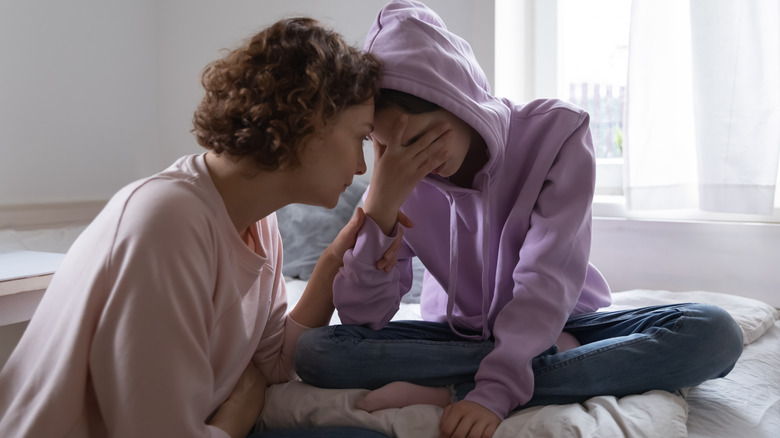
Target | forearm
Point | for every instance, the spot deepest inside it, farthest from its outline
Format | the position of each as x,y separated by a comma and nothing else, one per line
240,411
365,295
315,307
383,214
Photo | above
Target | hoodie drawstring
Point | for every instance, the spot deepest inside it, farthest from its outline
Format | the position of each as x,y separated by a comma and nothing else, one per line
486,271
453,277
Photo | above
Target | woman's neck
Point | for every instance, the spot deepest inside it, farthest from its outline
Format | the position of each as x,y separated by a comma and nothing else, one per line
248,193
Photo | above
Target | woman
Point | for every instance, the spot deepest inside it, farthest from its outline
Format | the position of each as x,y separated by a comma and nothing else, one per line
168,316
502,225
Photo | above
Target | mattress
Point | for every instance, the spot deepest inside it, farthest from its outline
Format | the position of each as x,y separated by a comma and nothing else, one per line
744,403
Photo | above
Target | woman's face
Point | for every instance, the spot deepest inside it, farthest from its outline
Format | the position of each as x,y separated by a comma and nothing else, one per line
334,156
417,125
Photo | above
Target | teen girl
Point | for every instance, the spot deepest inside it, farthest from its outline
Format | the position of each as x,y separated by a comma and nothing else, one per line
503,227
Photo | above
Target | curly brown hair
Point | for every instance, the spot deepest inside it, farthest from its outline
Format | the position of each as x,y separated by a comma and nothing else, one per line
264,98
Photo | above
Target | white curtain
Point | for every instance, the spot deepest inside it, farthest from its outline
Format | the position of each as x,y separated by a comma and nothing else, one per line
703,105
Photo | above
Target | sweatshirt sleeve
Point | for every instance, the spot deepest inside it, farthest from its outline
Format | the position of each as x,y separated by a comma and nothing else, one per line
548,279
364,295
274,354
149,356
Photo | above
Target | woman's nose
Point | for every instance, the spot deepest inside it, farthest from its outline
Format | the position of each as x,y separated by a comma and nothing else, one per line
361,169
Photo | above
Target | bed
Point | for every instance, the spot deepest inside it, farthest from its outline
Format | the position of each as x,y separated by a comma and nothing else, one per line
744,403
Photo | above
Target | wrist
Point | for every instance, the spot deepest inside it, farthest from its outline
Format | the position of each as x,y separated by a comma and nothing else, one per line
382,211
384,218
329,260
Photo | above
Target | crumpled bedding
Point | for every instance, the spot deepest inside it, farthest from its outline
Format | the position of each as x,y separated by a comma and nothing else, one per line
653,414
745,403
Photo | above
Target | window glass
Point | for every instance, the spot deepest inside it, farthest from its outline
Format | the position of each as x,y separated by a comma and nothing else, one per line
593,62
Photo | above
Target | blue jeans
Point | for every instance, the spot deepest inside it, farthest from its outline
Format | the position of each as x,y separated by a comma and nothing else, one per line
623,352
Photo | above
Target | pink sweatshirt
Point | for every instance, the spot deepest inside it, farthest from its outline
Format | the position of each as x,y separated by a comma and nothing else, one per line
152,317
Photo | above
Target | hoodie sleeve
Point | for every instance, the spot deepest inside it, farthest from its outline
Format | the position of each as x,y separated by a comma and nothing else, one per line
548,279
364,295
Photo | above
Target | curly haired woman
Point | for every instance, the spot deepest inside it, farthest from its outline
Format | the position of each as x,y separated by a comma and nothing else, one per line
168,316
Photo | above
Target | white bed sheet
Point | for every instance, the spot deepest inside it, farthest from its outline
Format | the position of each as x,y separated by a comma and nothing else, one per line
745,403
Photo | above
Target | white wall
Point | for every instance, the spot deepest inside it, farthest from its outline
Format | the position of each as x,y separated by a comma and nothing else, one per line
77,98
727,257
95,94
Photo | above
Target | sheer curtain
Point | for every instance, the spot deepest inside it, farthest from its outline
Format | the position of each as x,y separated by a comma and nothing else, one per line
703,105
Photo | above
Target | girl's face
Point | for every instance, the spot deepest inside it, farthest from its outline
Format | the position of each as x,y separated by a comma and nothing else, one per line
419,124
335,155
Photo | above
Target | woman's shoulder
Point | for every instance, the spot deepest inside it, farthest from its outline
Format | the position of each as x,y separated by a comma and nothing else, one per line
162,207
160,196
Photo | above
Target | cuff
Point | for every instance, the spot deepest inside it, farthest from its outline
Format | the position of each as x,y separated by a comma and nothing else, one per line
371,242
493,396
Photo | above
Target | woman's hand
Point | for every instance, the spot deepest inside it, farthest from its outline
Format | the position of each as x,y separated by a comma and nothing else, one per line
399,168
315,307
468,419
239,413
390,257
347,236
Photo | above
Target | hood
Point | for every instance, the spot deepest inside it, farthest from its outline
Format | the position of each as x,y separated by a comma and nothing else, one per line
423,58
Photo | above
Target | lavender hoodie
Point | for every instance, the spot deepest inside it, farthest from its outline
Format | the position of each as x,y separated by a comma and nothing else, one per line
507,258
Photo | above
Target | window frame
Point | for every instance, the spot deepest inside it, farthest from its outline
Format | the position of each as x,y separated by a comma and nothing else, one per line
534,72
529,29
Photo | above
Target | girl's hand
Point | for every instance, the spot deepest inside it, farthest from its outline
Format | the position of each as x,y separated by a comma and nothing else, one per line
239,413
468,419
399,168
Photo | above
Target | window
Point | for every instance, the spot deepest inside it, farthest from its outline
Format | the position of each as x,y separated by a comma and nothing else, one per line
593,65
592,70
575,50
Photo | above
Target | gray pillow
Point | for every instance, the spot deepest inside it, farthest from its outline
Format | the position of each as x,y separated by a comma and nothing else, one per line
307,230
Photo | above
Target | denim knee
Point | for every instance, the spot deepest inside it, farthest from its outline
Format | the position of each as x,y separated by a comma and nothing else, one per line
722,335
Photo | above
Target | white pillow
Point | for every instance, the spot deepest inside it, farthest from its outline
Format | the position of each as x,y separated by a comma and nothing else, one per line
753,316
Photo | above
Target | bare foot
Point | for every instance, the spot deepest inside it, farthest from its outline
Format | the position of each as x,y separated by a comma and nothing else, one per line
402,394
566,341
